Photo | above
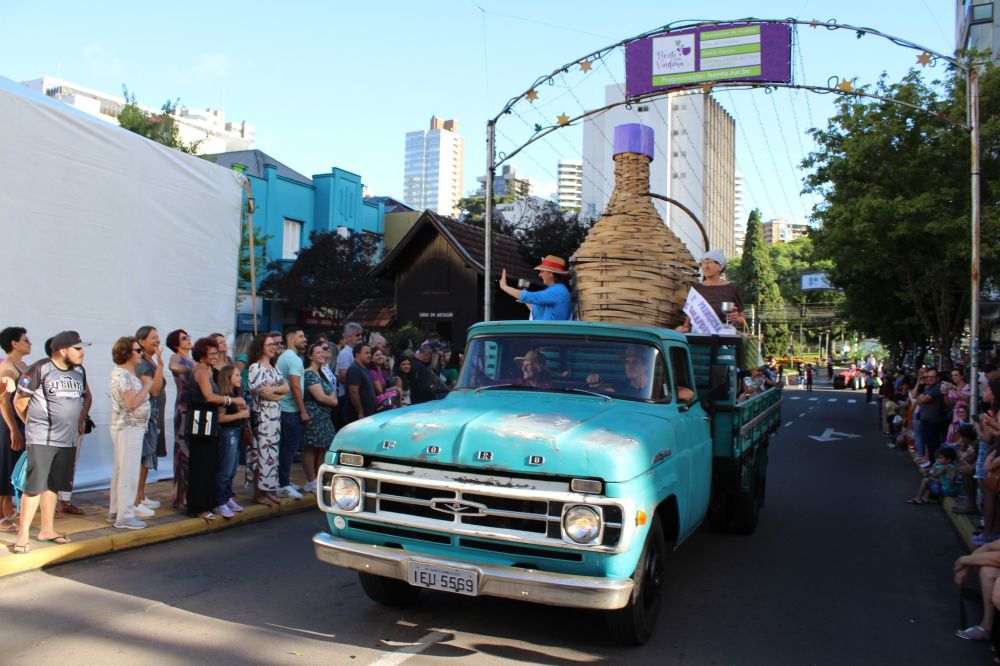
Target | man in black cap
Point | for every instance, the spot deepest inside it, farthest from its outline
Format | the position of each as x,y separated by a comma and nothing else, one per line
49,400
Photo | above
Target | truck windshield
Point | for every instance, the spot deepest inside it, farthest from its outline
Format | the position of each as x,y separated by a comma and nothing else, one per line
615,368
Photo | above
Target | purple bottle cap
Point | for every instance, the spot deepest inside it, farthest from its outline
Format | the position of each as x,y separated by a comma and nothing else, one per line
634,138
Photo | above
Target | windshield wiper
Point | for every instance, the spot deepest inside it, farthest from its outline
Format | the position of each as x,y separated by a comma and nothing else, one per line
519,387
552,389
570,389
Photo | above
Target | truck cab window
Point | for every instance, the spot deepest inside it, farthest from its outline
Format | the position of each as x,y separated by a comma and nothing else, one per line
681,371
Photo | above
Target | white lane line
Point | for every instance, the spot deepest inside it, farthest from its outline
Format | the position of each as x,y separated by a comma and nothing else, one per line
813,399
802,414
831,400
410,650
795,397
851,402
788,424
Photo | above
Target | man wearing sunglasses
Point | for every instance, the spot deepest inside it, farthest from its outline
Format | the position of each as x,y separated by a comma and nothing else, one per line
50,402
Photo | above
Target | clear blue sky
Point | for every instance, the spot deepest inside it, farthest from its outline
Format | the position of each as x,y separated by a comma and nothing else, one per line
339,84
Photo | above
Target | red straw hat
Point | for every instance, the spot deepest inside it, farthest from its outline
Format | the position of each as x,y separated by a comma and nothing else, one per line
553,264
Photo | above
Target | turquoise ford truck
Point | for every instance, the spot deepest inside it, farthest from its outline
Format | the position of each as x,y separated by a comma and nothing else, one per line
563,484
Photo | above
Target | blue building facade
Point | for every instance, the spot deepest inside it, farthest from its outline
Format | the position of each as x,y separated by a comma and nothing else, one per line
289,207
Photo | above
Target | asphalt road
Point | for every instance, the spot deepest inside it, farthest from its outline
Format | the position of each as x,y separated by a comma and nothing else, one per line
840,570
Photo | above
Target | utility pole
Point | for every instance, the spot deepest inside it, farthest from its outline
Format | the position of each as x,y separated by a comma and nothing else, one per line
802,316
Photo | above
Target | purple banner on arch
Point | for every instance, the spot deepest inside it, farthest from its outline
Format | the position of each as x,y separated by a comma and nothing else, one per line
760,52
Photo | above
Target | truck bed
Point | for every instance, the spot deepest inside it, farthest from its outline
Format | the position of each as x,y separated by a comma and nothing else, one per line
736,426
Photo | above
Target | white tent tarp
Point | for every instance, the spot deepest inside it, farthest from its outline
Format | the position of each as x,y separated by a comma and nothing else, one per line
103,231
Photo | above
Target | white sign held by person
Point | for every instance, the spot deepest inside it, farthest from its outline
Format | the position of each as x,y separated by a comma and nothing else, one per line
704,321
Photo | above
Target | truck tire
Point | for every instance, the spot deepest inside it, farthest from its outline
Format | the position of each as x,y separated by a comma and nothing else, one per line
634,624
388,591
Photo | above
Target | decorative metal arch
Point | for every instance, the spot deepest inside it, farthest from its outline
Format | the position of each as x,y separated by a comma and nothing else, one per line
927,57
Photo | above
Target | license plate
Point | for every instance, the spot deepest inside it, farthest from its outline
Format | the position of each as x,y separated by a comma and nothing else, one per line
449,579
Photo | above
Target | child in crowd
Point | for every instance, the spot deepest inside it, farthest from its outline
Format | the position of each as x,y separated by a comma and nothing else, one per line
968,441
890,409
939,481
961,419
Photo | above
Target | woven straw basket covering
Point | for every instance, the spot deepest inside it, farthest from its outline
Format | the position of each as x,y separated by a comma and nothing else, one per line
632,268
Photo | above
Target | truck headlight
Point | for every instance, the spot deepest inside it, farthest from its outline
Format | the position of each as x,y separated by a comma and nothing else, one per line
582,524
346,493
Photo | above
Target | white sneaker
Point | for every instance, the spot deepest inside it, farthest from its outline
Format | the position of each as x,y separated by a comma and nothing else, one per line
289,491
151,503
130,524
234,505
143,511
310,487
224,511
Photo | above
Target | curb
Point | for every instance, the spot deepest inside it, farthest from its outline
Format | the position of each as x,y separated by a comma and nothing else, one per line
119,540
962,524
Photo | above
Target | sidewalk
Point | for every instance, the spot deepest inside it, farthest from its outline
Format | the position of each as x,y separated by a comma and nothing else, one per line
92,535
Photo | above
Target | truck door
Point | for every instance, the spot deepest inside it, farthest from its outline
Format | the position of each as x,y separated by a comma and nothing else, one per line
693,431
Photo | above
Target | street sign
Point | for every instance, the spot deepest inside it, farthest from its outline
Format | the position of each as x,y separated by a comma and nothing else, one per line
759,52
831,435
816,282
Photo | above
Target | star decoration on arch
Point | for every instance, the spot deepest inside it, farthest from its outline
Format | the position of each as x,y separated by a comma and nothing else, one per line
707,88
845,86
585,66
814,23
532,95
562,120
924,59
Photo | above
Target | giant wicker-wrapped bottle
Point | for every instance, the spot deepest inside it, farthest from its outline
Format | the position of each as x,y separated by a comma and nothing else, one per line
632,268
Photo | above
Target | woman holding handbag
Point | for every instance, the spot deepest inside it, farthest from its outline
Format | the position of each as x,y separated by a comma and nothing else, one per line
202,429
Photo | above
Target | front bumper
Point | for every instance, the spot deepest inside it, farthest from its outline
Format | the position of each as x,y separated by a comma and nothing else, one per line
494,581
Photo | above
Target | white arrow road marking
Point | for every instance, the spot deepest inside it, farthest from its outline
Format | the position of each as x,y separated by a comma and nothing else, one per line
407,651
830,435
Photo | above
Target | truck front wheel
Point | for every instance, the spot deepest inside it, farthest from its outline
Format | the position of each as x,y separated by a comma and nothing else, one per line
634,624
388,591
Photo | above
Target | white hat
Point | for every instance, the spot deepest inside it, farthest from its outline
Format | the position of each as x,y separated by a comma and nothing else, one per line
718,256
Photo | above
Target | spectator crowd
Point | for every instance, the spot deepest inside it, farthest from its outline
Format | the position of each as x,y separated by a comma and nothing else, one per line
929,412
275,397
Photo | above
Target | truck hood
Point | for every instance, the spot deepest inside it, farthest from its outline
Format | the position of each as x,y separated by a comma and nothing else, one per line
508,431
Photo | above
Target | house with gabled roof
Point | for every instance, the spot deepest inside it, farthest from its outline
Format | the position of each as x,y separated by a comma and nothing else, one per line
438,273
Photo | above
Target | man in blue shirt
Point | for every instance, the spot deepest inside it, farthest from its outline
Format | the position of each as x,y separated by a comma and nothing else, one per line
293,410
551,303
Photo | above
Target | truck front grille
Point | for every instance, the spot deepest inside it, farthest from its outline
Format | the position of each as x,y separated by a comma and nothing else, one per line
469,510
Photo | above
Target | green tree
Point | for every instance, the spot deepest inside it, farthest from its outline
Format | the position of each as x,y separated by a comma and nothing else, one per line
896,207
756,277
330,275
474,208
159,127
551,232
